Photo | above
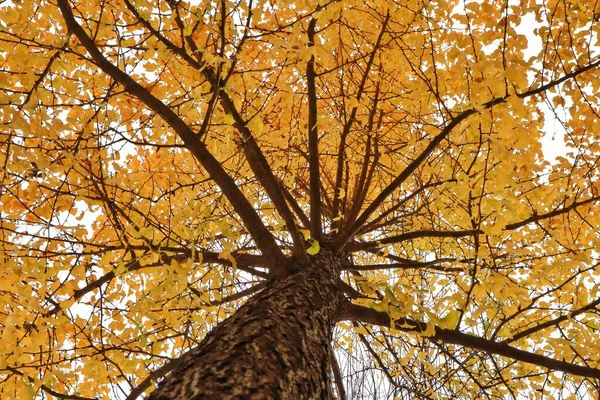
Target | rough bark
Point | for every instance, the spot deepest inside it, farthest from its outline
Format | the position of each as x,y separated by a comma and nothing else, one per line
276,346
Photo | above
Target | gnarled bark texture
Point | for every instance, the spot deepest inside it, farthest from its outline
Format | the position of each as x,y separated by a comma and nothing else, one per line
276,346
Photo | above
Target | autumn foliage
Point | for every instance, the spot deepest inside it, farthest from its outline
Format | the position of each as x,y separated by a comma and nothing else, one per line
163,160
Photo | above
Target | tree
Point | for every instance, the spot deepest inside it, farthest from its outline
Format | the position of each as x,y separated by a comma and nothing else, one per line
299,199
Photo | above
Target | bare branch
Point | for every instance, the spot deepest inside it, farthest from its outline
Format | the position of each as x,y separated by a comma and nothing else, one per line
337,377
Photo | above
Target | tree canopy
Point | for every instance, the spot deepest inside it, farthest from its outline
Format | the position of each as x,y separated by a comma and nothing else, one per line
162,160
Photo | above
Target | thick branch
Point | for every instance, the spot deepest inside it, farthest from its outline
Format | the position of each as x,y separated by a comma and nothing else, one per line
260,166
409,264
313,140
349,233
357,313
409,236
294,204
256,159
458,234
263,238
360,189
236,296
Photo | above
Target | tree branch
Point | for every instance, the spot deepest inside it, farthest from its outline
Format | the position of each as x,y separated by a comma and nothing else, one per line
48,390
552,322
153,377
409,236
313,140
256,159
375,223
356,246
409,264
236,296
540,217
243,263
361,88
349,233
263,238
337,376
358,313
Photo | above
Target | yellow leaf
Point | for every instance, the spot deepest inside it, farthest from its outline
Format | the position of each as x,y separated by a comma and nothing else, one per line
226,255
228,119
450,320
361,330
314,248
305,233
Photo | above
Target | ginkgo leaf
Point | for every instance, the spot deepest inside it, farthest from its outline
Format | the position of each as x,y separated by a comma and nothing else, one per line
314,248
450,320
305,233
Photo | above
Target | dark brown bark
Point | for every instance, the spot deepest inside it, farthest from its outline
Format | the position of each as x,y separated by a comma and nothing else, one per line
276,346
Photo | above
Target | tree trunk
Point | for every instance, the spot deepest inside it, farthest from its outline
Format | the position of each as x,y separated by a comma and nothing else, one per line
276,346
